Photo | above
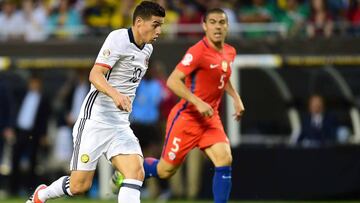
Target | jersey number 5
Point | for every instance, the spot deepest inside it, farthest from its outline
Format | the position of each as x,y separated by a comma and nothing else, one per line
176,144
222,82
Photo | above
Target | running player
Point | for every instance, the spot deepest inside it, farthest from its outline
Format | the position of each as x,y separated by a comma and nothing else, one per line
195,121
103,124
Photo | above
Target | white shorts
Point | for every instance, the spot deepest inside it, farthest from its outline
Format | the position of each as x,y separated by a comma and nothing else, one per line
92,139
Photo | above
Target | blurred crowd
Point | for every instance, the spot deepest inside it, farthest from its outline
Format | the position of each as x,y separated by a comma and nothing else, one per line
38,20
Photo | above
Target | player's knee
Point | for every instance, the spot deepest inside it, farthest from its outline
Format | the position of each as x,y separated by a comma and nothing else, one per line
166,173
136,173
223,160
79,188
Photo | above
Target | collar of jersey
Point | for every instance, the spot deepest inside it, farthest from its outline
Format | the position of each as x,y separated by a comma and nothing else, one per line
132,40
207,44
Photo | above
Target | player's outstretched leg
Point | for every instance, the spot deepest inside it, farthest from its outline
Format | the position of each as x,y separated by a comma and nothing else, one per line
57,189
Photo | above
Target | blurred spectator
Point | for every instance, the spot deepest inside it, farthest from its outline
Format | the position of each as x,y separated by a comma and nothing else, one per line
169,99
259,11
172,15
64,21
97,16
229,9
7,134
69,102
31,129
338,8
319,127
354,17
11,22
35,21
294,16
189,15
122,17
354,13
320,22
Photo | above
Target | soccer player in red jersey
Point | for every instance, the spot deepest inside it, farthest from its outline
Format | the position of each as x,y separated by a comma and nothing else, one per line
195,121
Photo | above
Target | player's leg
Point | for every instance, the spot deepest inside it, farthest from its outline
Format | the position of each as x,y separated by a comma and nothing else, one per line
78,183
126,156
216,146
194,169
131,167
90,140
220,155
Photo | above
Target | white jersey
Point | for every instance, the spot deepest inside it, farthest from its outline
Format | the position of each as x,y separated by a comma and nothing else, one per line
127,63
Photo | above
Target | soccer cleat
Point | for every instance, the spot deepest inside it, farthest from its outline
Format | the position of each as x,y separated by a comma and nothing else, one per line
35,198
116,181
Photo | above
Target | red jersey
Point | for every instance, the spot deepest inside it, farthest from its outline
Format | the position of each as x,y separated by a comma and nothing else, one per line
207,71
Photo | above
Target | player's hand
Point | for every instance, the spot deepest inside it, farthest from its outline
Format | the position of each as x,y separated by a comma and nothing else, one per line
239,109
123,102
204,108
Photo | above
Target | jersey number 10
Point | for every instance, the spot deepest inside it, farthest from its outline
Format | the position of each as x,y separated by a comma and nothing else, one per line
136,75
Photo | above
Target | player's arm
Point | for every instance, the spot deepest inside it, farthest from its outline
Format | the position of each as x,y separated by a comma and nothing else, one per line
97,78
176,83
238,104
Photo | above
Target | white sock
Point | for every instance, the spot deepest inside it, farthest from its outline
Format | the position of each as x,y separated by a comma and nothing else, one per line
57,189
130,191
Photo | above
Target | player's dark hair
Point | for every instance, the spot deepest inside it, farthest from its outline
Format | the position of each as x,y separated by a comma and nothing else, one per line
213,10
146,9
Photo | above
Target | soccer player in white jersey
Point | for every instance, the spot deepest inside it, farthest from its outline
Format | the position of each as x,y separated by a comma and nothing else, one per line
103,126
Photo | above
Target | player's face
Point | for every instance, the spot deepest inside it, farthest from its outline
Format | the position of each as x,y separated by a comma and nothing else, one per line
150,29
216,27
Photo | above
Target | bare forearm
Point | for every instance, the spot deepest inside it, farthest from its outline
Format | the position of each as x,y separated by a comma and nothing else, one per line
98,80
178,87
229,88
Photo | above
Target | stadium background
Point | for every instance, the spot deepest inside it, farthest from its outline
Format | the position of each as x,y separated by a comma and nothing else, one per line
280,64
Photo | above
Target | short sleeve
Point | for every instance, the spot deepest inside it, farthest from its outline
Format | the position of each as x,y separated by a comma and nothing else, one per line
190,61
110,51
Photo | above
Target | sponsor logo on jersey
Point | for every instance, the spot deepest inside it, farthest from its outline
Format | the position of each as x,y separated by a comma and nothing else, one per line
212,66
172,156
224,65
187,59
85,158
106,53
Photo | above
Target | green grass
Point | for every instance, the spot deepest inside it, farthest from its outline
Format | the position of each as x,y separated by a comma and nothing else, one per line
82,200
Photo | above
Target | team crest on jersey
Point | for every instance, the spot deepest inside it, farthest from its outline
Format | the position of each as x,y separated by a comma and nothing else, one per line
224,65
85,158
172,156
187,59
106,53
147,61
